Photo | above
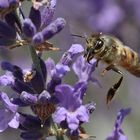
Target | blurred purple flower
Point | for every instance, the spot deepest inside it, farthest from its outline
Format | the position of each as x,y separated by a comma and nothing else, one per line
8,113
133,7
7,3
107,17
70,108
47,13
117,133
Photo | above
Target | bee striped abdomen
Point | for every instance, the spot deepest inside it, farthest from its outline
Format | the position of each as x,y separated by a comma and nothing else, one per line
130,61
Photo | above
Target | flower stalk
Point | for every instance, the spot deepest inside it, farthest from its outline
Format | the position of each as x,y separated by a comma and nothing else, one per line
36,61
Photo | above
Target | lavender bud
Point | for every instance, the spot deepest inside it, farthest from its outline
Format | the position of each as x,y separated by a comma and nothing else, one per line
29,28
38,38
28,98
53,28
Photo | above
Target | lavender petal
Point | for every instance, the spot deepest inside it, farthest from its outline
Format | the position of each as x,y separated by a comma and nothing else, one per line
6,31
29,28
6,80
28,98
35,17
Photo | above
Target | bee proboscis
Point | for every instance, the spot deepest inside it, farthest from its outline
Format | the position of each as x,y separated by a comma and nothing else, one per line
114,53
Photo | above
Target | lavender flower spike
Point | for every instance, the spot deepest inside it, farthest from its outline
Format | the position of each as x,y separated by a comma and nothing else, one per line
48,32
84,70
39,27
117,133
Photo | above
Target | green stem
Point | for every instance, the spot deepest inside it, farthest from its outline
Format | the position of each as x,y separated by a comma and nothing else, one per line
59,135
36,61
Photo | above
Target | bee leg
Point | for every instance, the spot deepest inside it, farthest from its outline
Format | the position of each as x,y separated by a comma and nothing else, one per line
112,91
84,135
112,66
97,62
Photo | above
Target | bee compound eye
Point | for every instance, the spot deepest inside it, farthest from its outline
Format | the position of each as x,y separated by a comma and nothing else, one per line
98,44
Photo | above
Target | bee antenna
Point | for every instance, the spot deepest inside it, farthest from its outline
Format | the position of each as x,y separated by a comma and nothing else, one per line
78,35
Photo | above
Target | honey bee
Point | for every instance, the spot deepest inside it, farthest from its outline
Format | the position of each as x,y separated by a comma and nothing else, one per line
114,53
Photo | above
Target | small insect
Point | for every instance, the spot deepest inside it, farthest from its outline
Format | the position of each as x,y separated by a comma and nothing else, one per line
28,76
114,53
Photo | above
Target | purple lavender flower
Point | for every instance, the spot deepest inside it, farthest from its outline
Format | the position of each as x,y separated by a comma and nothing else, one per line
20,82
8,113
41,87
31,128
70,109
58,71
7,6
32,88
8,34
69,57
47,13
34,84
118,133
108,16
43,105
34,30
39,29
7,79
32,92
84,70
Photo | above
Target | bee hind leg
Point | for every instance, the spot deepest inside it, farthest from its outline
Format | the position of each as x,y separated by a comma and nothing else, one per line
112,91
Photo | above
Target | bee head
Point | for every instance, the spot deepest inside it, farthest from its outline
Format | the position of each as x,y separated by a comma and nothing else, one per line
94,45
